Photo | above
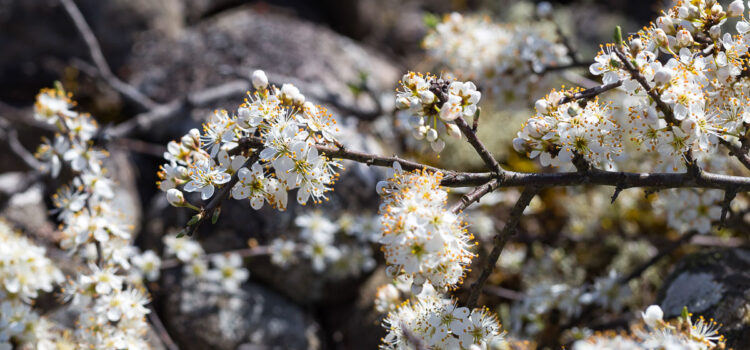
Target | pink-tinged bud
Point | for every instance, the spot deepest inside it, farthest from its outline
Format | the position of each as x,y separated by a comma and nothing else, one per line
175,197
665,24
684,38
661,38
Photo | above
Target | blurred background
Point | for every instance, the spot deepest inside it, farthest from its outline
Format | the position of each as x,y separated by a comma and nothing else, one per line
347,55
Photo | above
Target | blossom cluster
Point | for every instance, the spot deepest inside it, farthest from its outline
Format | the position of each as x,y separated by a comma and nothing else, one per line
680,333
338,248
287,129
226,269
684,104
438,323
558,133
506,56
434,103
111,310
420,237
24,272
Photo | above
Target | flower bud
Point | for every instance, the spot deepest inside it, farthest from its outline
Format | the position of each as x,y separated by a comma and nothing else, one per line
665,24
402,103
653,315
432,135
684,38
663,76
427,97
175,197
259,79
717,11
542,106
661,38
735,8
715,32
192,139
453,130
636,46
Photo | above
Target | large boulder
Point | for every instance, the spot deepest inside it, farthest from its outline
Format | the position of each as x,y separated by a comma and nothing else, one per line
716,285
203,316
232,43
38,37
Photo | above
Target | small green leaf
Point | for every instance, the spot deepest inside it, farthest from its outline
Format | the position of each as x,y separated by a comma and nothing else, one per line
195,219
215,217
685,314
618,35
430,20
181,233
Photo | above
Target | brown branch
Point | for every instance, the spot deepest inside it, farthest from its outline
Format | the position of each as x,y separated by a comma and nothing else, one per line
636,74
127,90
486,156
737,152
161,330
15,145
589,93
474,196
499,243
450,178
178,107
620,179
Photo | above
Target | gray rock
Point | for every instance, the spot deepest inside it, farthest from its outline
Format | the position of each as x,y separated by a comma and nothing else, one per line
37,33
714,284
202,316
233,43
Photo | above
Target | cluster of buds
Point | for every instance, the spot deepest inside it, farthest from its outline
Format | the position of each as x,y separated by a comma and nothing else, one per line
434,103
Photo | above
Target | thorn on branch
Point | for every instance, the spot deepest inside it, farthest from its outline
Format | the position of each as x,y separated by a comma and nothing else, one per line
729,195
618,189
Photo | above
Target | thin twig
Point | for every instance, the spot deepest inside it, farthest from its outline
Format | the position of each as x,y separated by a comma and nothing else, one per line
592,92
450,178
737,152
127,90
15,145
179,106
636,74
474,196
161,330
486,156
499,243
